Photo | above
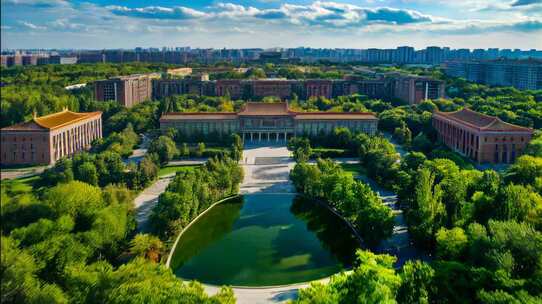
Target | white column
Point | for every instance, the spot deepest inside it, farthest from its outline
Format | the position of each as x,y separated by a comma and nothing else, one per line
260,136
79,138
426,90
277,134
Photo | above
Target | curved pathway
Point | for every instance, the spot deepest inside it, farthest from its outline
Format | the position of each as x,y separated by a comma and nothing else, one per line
147,199
267,170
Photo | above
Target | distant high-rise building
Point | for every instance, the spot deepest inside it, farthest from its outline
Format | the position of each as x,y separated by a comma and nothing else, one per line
434,55
521,74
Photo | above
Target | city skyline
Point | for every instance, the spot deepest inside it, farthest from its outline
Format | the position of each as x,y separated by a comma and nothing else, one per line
242,24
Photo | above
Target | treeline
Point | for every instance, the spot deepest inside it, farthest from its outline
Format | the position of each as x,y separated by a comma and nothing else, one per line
353,199
482,227
523,107
168,147
497,263
64,75
283,71
40,89
192,192
197,103
64,244
105,165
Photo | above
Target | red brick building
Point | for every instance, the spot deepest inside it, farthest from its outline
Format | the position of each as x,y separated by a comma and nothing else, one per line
483,138
272,87
415,89
318,87
231,87
126,90
46,139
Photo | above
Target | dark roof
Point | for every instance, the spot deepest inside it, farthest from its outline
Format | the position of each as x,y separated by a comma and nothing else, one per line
481,121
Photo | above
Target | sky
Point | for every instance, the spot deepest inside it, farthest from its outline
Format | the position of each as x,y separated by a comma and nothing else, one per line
98,24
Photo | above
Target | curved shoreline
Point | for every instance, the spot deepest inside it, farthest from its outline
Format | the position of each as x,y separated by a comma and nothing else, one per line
170,256
264,287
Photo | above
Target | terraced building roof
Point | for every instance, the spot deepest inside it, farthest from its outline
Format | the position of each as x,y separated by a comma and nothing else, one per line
52,121
481,121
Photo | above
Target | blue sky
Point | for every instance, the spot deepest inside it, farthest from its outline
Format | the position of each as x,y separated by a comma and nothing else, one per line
271,23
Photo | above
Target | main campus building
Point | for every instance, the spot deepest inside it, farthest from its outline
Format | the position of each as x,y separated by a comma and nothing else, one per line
258,121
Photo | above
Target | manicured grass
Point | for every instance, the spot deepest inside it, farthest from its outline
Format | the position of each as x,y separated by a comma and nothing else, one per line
173,169
19,185
354,169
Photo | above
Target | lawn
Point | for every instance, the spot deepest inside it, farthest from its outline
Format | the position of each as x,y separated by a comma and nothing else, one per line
19,185
354,169
173,169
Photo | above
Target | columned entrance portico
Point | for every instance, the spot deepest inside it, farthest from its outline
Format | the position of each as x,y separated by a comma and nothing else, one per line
263,136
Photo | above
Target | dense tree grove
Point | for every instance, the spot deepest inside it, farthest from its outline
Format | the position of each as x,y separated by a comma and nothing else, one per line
68,235
40,89
482,227
102,169
192,192
353,199
372,281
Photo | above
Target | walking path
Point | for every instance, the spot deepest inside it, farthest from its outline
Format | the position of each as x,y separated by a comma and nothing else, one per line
267,170
147,199
140,151
22,172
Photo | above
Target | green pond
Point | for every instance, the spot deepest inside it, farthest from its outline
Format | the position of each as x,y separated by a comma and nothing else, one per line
264,240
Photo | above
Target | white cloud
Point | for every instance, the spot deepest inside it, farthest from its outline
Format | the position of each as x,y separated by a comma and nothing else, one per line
35,3
157,12
31,26
326,20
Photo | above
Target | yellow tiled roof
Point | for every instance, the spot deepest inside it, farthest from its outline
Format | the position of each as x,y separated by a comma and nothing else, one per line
61,119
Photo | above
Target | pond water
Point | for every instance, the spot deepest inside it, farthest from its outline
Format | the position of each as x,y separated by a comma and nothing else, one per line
264,240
